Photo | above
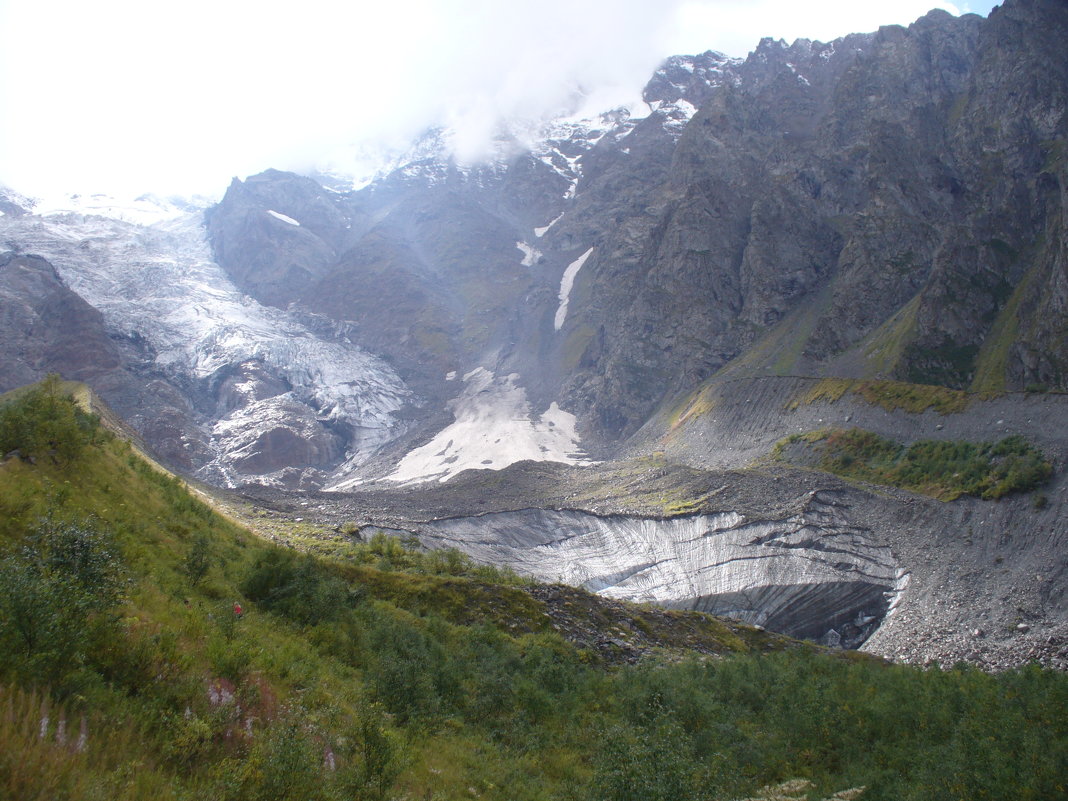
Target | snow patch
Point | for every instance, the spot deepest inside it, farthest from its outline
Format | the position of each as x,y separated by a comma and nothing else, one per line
566,282
540,232
279,216
686,108
493,428
530,254
801,79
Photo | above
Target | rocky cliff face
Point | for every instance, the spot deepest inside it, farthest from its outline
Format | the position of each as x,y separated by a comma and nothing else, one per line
51,329
878,206
888,204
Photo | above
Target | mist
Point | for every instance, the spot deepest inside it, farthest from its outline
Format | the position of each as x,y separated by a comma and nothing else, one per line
125,97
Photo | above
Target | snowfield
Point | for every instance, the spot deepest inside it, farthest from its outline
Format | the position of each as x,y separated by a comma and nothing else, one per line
494,427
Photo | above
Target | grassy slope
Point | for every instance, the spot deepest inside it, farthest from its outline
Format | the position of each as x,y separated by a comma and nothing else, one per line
375,672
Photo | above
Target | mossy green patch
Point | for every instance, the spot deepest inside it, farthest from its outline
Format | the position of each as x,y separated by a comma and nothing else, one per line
693,406
885,346
780,349
650,484
991,364
1056,155
890,395
942,469
578,339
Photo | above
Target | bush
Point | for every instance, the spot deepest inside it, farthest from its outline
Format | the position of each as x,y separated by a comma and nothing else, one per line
44,421
651,763
284,765
410,671
372,762
297,587
944,469
54,592
198,559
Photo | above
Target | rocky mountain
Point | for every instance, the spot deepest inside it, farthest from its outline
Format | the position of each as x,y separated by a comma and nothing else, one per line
821,234
885,205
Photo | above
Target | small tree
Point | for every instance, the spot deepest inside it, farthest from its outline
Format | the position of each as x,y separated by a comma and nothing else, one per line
198,560
55,591
45,421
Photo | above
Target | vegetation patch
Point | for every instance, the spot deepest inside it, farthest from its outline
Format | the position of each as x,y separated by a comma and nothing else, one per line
885,346
780,349
890,395
942,469
991,365
693,406
947,362
578,340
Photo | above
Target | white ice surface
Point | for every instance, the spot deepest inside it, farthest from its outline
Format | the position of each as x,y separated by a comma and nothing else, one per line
159,282
142,210
566,282
494,427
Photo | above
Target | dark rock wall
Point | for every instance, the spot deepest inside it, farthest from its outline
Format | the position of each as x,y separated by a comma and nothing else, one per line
47,328
886,205
895,206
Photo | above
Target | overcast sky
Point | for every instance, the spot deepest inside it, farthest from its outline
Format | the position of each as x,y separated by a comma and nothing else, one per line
127,96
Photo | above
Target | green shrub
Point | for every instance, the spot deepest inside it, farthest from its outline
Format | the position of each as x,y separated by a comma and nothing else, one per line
944,469
410,671
55,591
43,421
198,559
647,763
284,765
372,761
297,587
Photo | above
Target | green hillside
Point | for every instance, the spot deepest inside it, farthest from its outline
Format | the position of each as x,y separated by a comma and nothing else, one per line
372,671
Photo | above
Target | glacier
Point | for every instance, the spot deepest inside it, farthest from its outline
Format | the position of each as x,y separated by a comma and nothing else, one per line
812,573
147,267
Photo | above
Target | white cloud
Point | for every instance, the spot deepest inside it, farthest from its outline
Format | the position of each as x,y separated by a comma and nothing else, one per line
127,95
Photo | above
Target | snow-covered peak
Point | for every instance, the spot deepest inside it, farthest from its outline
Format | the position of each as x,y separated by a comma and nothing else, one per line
690,78
141,210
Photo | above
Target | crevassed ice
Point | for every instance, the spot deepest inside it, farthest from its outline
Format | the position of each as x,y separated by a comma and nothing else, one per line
160,282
